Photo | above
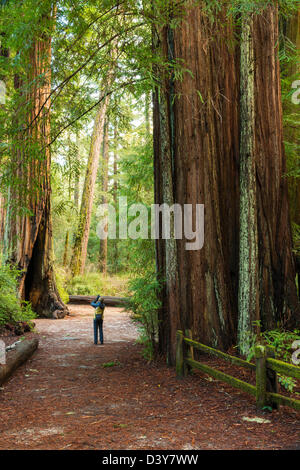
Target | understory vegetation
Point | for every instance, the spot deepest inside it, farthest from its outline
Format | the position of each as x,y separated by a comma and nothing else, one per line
12,310
281,342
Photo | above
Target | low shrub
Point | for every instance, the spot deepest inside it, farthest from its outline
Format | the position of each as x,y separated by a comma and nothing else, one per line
144,303
61,278
95,283
282,341
12,310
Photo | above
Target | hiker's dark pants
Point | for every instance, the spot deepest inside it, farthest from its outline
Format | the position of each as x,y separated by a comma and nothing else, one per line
98,325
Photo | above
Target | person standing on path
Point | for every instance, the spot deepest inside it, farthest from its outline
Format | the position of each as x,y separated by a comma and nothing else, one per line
99,307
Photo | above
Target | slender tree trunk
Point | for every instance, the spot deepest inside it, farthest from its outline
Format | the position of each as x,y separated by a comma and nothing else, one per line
77,179
4,53
30,235
2,220
103,243
167,261
115,191
147,114
115,188
83,229
66,249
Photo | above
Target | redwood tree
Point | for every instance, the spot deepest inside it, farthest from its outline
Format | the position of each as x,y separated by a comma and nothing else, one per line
197,129
30,231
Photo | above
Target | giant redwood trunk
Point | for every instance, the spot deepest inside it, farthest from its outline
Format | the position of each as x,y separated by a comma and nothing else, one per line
203,124
203,138
291,30
30,231
277,290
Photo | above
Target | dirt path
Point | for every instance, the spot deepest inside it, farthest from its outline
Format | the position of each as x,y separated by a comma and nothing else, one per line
64,398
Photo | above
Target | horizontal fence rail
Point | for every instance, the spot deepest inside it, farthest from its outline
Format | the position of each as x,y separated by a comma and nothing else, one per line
283,368
265,368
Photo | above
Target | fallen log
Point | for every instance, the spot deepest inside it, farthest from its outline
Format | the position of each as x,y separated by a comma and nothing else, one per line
23,351
87,299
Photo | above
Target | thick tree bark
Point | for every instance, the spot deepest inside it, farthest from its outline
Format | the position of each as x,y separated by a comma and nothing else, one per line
205,148
290,30
277,290
30,235
202,131
291,70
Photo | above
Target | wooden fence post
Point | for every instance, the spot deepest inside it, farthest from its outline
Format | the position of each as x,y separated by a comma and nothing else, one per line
261,376
272,381
189,352
179,354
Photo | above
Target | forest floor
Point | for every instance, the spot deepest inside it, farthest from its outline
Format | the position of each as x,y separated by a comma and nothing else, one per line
74,395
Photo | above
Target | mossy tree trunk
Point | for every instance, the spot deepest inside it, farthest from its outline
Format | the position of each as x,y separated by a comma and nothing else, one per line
169,315
248,257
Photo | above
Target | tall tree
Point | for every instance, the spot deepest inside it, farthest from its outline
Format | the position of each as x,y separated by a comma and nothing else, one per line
201,133
83,228
202,127
104,181
115,189
277,290
4,55
30,232
290,73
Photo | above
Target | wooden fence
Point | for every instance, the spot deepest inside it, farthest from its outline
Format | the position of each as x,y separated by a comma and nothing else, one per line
266,368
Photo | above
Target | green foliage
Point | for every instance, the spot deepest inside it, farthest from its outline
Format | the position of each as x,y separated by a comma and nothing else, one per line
287,382
61,284
11,309
281,341
144,303
107,365
94,284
